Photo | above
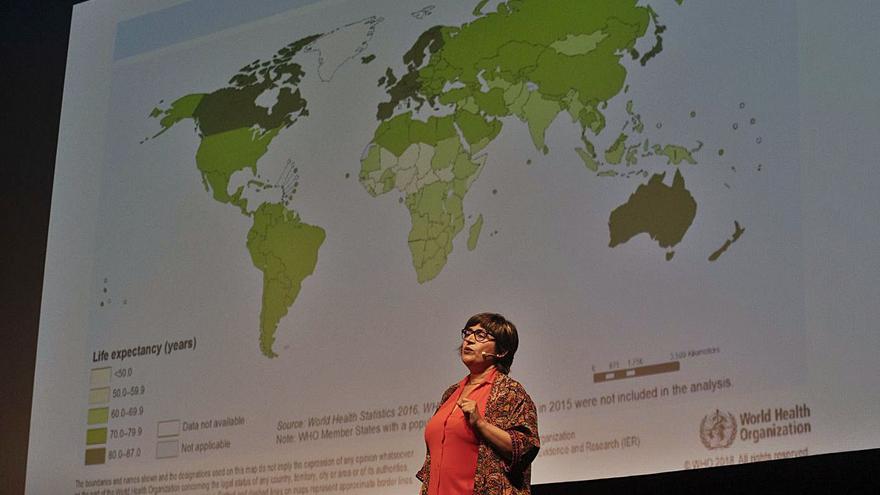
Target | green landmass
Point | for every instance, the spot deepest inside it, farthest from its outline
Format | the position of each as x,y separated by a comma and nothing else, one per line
614,153
234,134
369,58
397,134
221,155
539,113
437,217
674,154
737,232
286,250
233,108
638,125
578,44
182,108
619,152
474,233
663,212
496,66
429,164
478,10
632,155
504,46
655,50
589,161
408,87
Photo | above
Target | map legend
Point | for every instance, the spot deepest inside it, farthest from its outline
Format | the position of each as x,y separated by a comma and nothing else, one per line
96,456
96,436
168,433
166,449
169,428
99,395
169,444
100,377
98,415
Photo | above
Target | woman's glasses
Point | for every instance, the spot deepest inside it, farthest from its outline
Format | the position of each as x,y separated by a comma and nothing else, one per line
479,334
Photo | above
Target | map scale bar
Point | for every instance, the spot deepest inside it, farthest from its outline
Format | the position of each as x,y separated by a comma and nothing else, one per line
651,369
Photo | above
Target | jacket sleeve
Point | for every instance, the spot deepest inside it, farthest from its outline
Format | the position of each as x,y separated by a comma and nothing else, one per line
523,431
422,475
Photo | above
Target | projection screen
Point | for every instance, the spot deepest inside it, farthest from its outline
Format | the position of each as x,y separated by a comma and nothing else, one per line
270,220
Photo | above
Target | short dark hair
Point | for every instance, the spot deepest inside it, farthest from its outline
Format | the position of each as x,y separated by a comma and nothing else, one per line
506,338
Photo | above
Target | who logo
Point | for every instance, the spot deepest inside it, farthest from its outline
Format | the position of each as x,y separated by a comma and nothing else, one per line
717,430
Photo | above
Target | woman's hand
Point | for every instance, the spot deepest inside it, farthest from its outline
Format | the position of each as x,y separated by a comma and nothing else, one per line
470,410
499,438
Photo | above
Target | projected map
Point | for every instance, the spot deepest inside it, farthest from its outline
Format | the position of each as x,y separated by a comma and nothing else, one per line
458,87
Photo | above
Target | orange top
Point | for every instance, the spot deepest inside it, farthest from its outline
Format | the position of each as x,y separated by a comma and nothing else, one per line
452,443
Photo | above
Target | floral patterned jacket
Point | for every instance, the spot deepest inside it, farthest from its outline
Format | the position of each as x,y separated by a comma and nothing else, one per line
510,408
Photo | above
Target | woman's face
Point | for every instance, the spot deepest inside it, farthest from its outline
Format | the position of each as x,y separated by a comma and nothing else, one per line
472,350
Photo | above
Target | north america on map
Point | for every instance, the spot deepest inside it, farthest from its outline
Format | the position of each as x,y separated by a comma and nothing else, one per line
235,132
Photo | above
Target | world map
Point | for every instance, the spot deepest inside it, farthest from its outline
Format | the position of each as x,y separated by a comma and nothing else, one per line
515,63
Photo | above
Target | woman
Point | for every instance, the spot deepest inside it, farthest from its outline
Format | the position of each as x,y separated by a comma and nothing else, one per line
483,437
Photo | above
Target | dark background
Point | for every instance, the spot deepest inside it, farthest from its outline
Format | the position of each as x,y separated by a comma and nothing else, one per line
32,60
34,50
